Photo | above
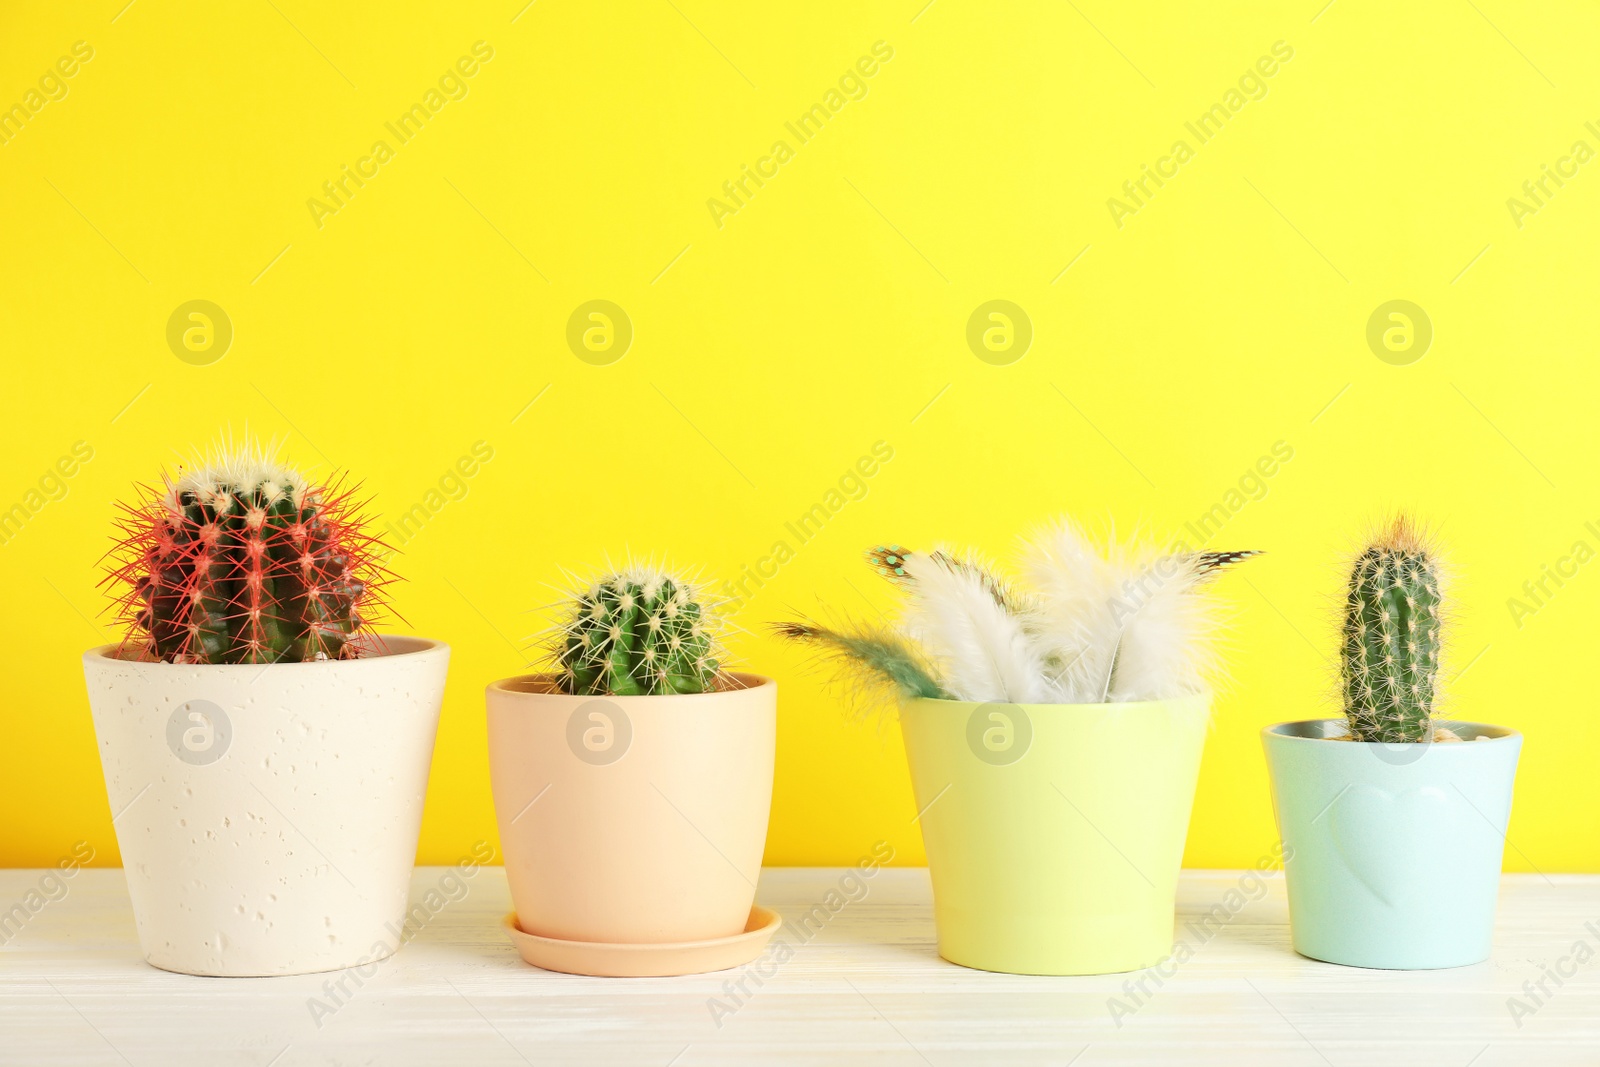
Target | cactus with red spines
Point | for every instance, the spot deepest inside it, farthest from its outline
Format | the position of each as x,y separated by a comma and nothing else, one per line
242,560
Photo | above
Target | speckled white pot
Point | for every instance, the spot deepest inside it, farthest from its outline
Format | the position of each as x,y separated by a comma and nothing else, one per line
278,836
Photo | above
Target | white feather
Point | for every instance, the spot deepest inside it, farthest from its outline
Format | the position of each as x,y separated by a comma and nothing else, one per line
1076,632
1126,624
983,651
1167,628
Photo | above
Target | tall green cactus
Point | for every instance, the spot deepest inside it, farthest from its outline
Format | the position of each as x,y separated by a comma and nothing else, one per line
637,632
1390,656
241,560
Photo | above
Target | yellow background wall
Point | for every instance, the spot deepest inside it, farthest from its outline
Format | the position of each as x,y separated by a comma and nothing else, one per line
775,345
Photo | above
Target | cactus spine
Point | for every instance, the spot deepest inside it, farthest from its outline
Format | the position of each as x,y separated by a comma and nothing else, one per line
241,560
635,633
1390,662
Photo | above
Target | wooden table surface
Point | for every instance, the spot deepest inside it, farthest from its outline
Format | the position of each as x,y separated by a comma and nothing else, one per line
869,987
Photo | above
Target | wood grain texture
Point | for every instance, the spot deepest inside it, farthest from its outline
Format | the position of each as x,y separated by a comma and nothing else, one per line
866,986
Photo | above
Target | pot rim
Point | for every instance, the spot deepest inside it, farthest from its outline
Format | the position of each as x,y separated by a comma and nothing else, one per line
524,685
1206,696
1275,732
402,644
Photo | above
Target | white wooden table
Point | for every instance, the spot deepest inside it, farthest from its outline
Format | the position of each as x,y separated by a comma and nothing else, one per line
869,987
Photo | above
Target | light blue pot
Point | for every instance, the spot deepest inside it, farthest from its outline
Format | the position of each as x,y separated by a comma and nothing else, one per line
1392,852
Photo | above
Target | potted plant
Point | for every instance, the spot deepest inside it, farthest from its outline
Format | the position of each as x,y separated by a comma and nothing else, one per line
1395,820
1054,740
265,751
632,783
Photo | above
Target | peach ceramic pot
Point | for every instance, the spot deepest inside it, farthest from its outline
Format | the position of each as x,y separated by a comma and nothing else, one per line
268,815
637,819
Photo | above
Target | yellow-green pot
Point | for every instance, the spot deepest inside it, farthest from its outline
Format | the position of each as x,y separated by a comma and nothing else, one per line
1055,832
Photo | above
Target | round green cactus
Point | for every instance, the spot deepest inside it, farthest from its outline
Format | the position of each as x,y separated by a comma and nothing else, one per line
1390,660
635,633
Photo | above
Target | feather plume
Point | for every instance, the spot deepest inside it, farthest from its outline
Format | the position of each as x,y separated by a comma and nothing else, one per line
1119,624
1076,586
896,564
877,666
1209,563
975,630
890,562
1127,623
1167,630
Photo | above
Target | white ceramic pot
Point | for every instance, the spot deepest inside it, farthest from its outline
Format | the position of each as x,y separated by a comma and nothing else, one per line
268,815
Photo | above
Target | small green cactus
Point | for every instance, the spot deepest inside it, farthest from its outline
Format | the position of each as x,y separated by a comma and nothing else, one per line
1390,662
637,632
